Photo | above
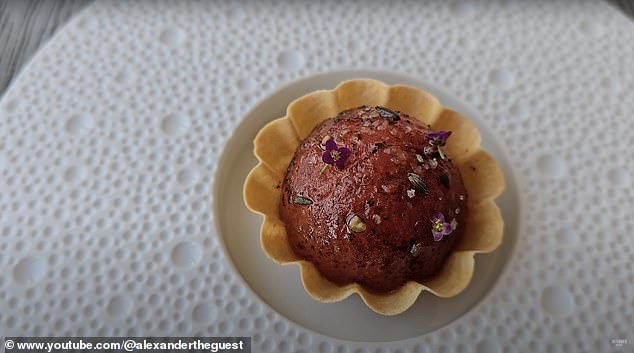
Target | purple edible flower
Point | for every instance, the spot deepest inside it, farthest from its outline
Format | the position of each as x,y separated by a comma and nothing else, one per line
438,139
335,155
440,228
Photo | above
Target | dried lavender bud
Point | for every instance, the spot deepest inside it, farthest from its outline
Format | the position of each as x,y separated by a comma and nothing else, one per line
418,182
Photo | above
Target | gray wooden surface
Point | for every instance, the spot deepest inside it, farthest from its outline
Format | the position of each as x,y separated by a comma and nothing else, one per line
26,24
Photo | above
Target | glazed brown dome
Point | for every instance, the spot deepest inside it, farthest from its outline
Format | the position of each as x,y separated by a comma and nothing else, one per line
370,197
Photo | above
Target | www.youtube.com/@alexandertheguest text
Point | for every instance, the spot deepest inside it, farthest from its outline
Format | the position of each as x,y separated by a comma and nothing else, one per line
127,344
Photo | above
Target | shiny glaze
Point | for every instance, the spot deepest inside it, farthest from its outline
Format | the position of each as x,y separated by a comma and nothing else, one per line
397,244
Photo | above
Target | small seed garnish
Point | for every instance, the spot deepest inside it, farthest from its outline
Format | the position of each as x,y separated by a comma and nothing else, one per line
387,114
457,211
444,180
418,182
377,146
322,145
355,224
411,193
299,200
461,197
433,163
420,158
416,249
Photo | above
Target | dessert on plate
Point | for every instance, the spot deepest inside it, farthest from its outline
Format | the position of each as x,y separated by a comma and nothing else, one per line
376,190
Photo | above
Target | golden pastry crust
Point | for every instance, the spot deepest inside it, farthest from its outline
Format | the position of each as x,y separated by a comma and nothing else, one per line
275,145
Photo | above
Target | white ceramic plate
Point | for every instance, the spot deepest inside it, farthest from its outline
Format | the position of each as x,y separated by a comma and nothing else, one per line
281,288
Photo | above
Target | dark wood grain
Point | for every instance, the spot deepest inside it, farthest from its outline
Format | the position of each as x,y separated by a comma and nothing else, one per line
26,24
626,6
